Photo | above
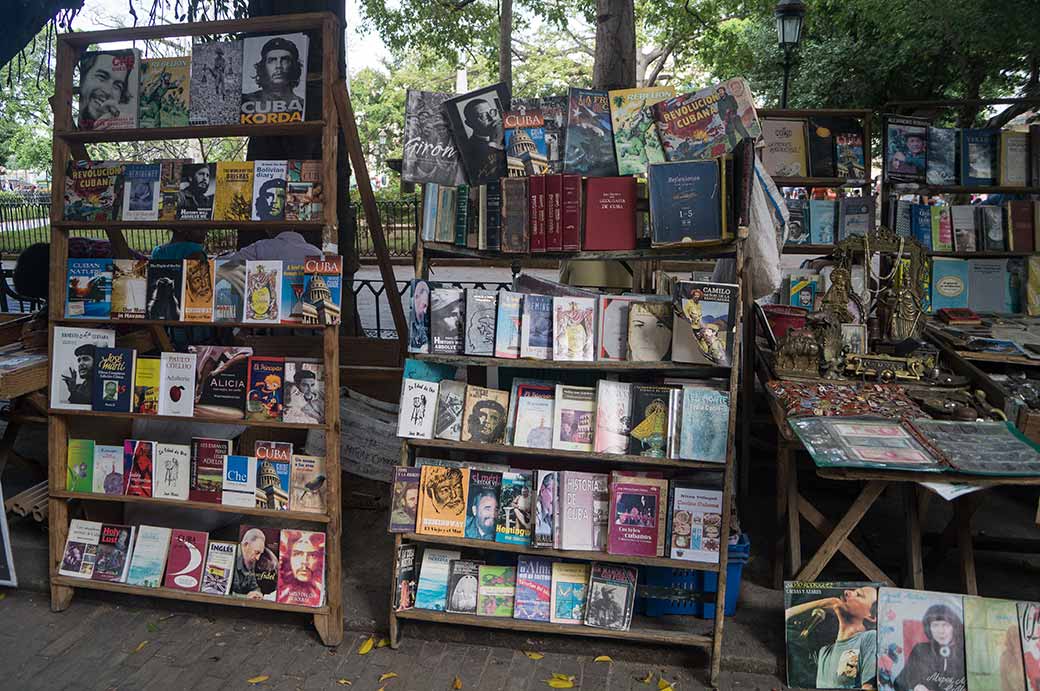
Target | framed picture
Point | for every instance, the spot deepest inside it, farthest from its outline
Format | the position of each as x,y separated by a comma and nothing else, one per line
7,575
854,337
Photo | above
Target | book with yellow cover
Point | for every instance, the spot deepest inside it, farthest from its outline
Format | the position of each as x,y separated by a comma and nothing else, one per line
198,290
146,386
442,501
234,196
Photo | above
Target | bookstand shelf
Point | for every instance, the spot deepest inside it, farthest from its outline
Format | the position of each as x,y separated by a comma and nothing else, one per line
661,631
68,143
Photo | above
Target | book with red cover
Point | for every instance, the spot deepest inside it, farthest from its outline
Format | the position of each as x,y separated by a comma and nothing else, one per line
536,214
1020,225
635,517
610,214
207,469
570,213
553,227
186,559
959,316
301,568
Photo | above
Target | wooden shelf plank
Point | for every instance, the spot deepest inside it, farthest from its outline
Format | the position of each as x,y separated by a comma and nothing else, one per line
911,188
819,182
716,249
616,459
173,225
274,24
662,635
61,412
791,248
868,474
466,360
200,505
980,255
75,321
563,554
311,128
174,594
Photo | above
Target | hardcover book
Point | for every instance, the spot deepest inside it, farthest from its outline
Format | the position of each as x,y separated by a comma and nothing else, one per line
610,214
650,331
533,588
113,387
268,197
274,72
129,288
613,416
461,596
636,141
574,329
823,220
484,415
418,409
272,484
589,140
229,290
526,152
109,82
515,235
1014,158
404,502
707,312
198,290
451,399
546,510
238,481
93,190
113,553
88,290
308,486
164,92
265,393
979,156
216,73
553,213
138,467
496,590
107,476
177,384
636,524
430,155
490,229
164,290
405,578
570,213
221,380
513,525
234,194
907,649
81,546
263,292
258,577
695,524
784,150
574,418
941,168
80,465
536,327
419,315
648,435
476,121
708,123
447,321
304,391
304,194
507,324
570,584
442,501
197,188
612,596
462,213
483,504
220,568
612,329
73,359
481,312
206,482
141,196
905,147
685,204
184,565
301,568
1021,226
432,592
444,229
151,546
584,503
705,424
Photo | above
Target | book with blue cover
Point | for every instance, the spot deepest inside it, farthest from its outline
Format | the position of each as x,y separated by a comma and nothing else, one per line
823,216
148,561
533,588
88,291
704,430
949,283
514,511
685,202
941,168
921,224
855,217
507,324
113,388
979,156
536,327
432,592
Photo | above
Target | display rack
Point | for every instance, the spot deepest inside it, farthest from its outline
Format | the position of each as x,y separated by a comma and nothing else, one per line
69,143
709,633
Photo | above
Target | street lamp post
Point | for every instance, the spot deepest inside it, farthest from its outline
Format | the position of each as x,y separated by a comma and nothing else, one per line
789,16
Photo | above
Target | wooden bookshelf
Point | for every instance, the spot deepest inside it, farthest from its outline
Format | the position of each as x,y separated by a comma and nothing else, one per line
70,143
469,543
831,183
79,321
690,252
599,365
916,188
980,255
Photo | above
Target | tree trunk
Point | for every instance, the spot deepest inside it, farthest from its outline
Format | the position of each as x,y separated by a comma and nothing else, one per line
614,66
505,44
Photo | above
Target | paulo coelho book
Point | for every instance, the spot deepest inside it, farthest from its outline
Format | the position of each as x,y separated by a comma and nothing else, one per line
88,291
264,398
177,384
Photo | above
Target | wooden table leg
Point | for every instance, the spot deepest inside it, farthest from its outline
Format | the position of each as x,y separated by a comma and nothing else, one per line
861,561
963,511
781,514
794,535
914,578
871,491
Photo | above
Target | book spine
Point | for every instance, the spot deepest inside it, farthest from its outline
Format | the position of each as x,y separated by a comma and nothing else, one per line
553,231
536,195
494,215
461,214
570,213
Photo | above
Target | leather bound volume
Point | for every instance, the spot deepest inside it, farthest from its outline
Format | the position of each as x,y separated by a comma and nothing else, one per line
610,214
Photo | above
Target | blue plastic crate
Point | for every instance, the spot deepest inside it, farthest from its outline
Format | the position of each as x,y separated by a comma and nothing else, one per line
699,582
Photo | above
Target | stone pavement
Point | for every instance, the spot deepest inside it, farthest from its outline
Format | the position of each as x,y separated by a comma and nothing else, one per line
105,643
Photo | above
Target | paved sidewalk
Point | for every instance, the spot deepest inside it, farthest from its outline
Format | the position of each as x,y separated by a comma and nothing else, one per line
101,643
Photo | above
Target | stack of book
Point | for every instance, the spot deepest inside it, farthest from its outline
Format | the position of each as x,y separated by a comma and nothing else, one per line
1008,227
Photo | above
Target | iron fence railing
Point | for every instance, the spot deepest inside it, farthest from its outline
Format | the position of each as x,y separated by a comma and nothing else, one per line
400,220
373,306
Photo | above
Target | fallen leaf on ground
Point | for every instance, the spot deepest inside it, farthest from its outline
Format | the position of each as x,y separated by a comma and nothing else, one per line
565,677
140,646
555,683
604,658
382,642
258,680
663,685
533,655
3,595
366,647
388,675
344,682
152,627
457,684
647,679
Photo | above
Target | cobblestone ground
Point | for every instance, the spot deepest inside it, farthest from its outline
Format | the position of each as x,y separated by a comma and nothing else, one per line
100,643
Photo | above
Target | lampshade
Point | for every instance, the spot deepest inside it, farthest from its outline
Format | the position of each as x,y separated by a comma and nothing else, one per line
789,16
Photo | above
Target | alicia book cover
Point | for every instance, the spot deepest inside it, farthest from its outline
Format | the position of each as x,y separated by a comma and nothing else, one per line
430,155
274,74
635,133
109,82
221,379
708,123
165,92
476,120
589,140
216,76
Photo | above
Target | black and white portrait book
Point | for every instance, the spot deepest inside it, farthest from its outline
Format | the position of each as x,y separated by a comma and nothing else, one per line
476,120
430,155
418,409
274,79
447,321
72,364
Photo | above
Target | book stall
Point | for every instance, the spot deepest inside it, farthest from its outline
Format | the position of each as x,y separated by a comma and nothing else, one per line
192,390
567,452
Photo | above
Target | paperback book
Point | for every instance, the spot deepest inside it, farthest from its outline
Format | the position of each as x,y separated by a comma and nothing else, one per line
238,481
570,584
574,418
308,484
784,150
611,596
88,290
185,563
906,149
108,469
113,387
79,466
941,168
648,435
129,288
708,123
612,328
198,186
177,384
447,321
93,190
704,433
272,484
322,290
269,181
443,501
496,590
533,588
304,198
164,290
507,324
704,322
695,521
419,315
164,92
265,393
589,139
583,511
526,152
301,568
256,577
81,546
234,194
274,71
405,578
113,553
574,329
229,276
151,545
650,331
206,482
216,73
636,141
138,467
404,503
263,292
141,196
198,290
170,186
513,525
536,327
483,504
451,400
418,409
476,122
73,359
685,203
463,579
484,415
613,416
635,516
481,312
546,508
429,152
432,592
109,82
221,380
304,386
220,568
534,422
